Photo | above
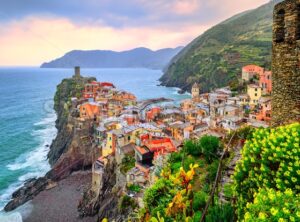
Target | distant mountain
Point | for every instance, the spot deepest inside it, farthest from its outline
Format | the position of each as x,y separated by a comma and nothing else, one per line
135,58
216,57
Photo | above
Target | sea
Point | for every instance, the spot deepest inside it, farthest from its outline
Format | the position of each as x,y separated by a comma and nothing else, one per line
27,118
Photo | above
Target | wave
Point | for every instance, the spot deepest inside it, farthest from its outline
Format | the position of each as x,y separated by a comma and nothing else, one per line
37,159
34,163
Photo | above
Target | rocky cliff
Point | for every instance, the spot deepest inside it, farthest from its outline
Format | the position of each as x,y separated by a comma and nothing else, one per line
106,202
71,150
67,89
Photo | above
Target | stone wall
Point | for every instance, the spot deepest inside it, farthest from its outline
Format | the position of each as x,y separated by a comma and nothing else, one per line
286,62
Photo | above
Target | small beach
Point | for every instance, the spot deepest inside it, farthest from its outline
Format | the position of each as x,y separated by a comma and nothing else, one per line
59,204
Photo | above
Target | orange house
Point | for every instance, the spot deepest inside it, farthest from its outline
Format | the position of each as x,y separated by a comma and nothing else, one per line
264,113
89,110
249,71
265,82
152,113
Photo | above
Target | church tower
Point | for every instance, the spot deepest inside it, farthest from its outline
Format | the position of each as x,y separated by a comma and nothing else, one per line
286,63
195,91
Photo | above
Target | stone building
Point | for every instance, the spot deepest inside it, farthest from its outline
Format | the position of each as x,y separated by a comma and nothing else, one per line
286,62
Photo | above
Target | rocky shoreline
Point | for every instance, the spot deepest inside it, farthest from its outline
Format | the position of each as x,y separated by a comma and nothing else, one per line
67,151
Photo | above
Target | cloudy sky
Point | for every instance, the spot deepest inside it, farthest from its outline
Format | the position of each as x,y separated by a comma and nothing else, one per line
34,31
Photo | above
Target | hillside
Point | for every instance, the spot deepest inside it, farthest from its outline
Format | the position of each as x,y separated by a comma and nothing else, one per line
215,58
135,58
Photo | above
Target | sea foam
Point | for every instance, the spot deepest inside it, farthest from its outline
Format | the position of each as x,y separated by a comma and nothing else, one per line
34,162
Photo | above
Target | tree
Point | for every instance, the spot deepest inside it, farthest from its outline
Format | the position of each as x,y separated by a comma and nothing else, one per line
210,146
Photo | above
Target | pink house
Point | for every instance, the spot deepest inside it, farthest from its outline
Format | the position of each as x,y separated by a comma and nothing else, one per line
249,71
265,82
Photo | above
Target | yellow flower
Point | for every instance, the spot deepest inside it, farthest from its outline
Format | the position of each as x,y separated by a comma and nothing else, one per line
274,211
262,215
286,211
288,192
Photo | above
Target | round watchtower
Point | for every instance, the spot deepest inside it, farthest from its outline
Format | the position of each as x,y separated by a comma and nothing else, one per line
285,63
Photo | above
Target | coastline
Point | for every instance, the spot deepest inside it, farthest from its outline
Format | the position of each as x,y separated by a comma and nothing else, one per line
60,202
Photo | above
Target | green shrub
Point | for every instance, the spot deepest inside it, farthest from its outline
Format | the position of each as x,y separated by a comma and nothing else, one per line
220,213
212,170
228,190
272,205
270,159
175,157
134,188
188,160
128,162
192,148
210,147
159,195
175,167
197,216
199,200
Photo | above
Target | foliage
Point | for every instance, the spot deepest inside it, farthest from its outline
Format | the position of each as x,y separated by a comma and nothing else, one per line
127,202
228,190
206,145
171,195
160,194
210,146
181,206
272,205
200,199
270,159
128,162
212,170
134,188
220,213
187,162
192,148
197,216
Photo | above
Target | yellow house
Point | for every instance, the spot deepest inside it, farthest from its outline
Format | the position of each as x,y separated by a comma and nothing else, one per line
254,92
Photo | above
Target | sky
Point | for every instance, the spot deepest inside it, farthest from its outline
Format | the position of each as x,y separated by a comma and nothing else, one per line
36,31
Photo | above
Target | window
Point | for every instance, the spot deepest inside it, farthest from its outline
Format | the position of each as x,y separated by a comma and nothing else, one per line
280,30
255,94
128,138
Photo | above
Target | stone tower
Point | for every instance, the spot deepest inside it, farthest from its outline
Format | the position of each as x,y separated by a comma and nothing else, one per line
77,72
195,91
286,63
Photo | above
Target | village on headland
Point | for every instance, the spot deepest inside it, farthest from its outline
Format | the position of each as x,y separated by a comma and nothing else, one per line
138,135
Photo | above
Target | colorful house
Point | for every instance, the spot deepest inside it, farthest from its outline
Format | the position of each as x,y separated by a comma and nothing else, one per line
249,71
152,113
264,110
91,90
89,111
265,82
254,92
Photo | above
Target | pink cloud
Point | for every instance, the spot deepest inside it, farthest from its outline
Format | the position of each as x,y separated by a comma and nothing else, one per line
186,7
34,40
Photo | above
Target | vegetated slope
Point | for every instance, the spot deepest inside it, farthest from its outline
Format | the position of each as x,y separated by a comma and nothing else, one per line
215,58
135,58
